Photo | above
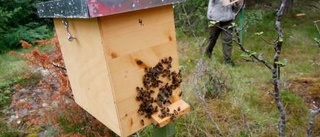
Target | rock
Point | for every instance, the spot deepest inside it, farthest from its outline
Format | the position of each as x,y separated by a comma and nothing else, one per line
24,112
44,105
13,118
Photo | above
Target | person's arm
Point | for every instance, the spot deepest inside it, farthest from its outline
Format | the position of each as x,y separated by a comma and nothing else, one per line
210,5
237,5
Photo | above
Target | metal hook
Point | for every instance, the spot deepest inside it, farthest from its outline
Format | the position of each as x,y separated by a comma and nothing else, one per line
65,23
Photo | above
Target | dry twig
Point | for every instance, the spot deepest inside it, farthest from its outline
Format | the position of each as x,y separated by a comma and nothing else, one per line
200,69
312,117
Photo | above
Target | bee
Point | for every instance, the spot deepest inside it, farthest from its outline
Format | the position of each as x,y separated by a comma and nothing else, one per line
158,68
169,66
146,69
163,110
162,60
138,98
172,117
175,112
139,62
155,109
164,75
180,94
148,116
149,100
147,86
166,93
142,122
140,112
161,116
140,21
168,101
157,125
179,109
139,89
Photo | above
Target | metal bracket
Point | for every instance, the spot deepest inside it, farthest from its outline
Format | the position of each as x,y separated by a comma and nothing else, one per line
65,23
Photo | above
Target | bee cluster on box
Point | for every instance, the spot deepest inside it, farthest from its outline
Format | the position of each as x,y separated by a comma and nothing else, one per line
160,80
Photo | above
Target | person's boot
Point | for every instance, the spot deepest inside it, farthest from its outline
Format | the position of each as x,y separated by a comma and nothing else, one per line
230,62
208,53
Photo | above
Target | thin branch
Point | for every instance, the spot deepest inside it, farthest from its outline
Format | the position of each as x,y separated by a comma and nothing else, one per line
308,4
316,24
237,41
276,70
58,66
269,43
244,117
201,67
312,118
189,23
270,7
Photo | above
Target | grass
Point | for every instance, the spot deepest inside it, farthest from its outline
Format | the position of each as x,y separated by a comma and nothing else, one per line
11,68
14,68
6,131
248,108
14,71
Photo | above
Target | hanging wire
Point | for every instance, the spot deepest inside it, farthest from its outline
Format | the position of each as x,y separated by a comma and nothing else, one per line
66,25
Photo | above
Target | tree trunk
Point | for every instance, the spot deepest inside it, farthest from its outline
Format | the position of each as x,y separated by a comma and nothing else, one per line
288,6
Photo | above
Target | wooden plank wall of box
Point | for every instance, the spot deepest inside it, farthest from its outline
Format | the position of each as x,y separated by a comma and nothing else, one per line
123,68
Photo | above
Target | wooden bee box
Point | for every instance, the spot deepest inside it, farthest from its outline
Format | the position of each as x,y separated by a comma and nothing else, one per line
108,59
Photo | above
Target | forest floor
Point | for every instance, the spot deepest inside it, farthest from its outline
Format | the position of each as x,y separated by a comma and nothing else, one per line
240,99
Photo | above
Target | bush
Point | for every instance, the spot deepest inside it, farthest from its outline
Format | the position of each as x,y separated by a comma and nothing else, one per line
191,17
217,82
19,20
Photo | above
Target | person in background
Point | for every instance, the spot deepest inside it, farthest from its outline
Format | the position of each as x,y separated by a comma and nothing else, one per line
220,22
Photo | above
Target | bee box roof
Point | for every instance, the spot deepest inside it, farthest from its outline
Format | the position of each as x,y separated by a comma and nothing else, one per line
95,8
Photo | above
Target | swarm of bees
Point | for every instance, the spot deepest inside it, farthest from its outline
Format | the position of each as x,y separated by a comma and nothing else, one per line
158,78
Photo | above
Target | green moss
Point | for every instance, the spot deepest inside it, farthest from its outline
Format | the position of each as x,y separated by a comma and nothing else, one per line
6,131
